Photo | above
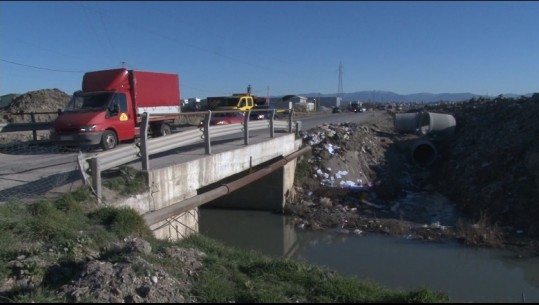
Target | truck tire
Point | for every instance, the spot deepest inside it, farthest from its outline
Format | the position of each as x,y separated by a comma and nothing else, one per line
109,140
161,130
165,129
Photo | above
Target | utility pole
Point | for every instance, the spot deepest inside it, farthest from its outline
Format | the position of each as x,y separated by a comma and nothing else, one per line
267,96
339,88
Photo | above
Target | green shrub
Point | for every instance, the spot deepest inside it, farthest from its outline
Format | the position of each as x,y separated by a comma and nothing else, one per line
122,222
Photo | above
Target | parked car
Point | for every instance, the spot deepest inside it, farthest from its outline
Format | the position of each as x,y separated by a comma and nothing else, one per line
225,118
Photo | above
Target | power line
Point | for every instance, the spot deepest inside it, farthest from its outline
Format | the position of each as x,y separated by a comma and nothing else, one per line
41,68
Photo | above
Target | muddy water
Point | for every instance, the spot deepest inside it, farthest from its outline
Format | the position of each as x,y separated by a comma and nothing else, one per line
464,274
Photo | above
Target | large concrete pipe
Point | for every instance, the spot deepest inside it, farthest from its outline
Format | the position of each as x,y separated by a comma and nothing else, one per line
406,122
436,124
423,152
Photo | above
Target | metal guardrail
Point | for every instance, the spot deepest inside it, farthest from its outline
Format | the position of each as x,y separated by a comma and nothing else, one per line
91,165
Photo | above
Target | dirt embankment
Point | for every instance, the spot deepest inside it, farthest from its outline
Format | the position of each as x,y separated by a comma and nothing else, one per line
362,178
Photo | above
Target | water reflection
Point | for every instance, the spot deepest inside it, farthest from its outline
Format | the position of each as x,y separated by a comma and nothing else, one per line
465,274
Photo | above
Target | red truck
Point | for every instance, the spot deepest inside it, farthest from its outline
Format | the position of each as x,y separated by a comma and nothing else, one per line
108,109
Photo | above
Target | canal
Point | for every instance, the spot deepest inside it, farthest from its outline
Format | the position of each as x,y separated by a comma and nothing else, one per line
465,274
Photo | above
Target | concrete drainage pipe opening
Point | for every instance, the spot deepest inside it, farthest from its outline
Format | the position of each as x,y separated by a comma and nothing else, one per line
423,153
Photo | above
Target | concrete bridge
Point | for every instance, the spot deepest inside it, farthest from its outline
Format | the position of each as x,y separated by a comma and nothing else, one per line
255,176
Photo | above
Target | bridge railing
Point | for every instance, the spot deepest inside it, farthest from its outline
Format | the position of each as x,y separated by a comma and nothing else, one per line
93,164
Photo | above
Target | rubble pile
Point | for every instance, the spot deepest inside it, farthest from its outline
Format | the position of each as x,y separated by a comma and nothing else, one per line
333,145
357,173
45,100
130,276
44,103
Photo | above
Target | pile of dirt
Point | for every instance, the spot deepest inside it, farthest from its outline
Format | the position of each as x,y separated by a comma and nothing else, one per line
361,179
44,105
492,168
125,273
39,101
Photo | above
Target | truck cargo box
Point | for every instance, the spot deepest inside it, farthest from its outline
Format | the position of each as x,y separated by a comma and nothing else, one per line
106,80
156,92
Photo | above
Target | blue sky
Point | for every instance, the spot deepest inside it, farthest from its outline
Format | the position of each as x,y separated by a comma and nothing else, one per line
280,47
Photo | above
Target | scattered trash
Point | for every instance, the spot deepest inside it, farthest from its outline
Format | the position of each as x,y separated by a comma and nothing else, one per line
358,232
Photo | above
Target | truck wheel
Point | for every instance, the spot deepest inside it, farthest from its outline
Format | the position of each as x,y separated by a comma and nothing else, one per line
161,130
109,140
165,130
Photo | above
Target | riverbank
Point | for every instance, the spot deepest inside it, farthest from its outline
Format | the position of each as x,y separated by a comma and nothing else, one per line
74,250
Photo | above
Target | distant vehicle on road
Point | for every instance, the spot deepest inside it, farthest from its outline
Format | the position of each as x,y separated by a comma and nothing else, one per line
336,110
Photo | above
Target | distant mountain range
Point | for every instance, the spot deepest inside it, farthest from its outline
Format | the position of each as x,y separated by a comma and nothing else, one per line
375,96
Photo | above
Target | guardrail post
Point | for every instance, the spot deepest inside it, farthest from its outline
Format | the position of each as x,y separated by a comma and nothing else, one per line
81,161
34,131
290,120
145,159
246,127
207,143
96,177
272,119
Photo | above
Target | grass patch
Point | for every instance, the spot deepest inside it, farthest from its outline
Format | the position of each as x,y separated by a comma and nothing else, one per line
122,222
127,182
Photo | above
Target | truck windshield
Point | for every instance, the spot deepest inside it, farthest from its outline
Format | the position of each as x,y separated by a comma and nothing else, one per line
233,101
88,101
